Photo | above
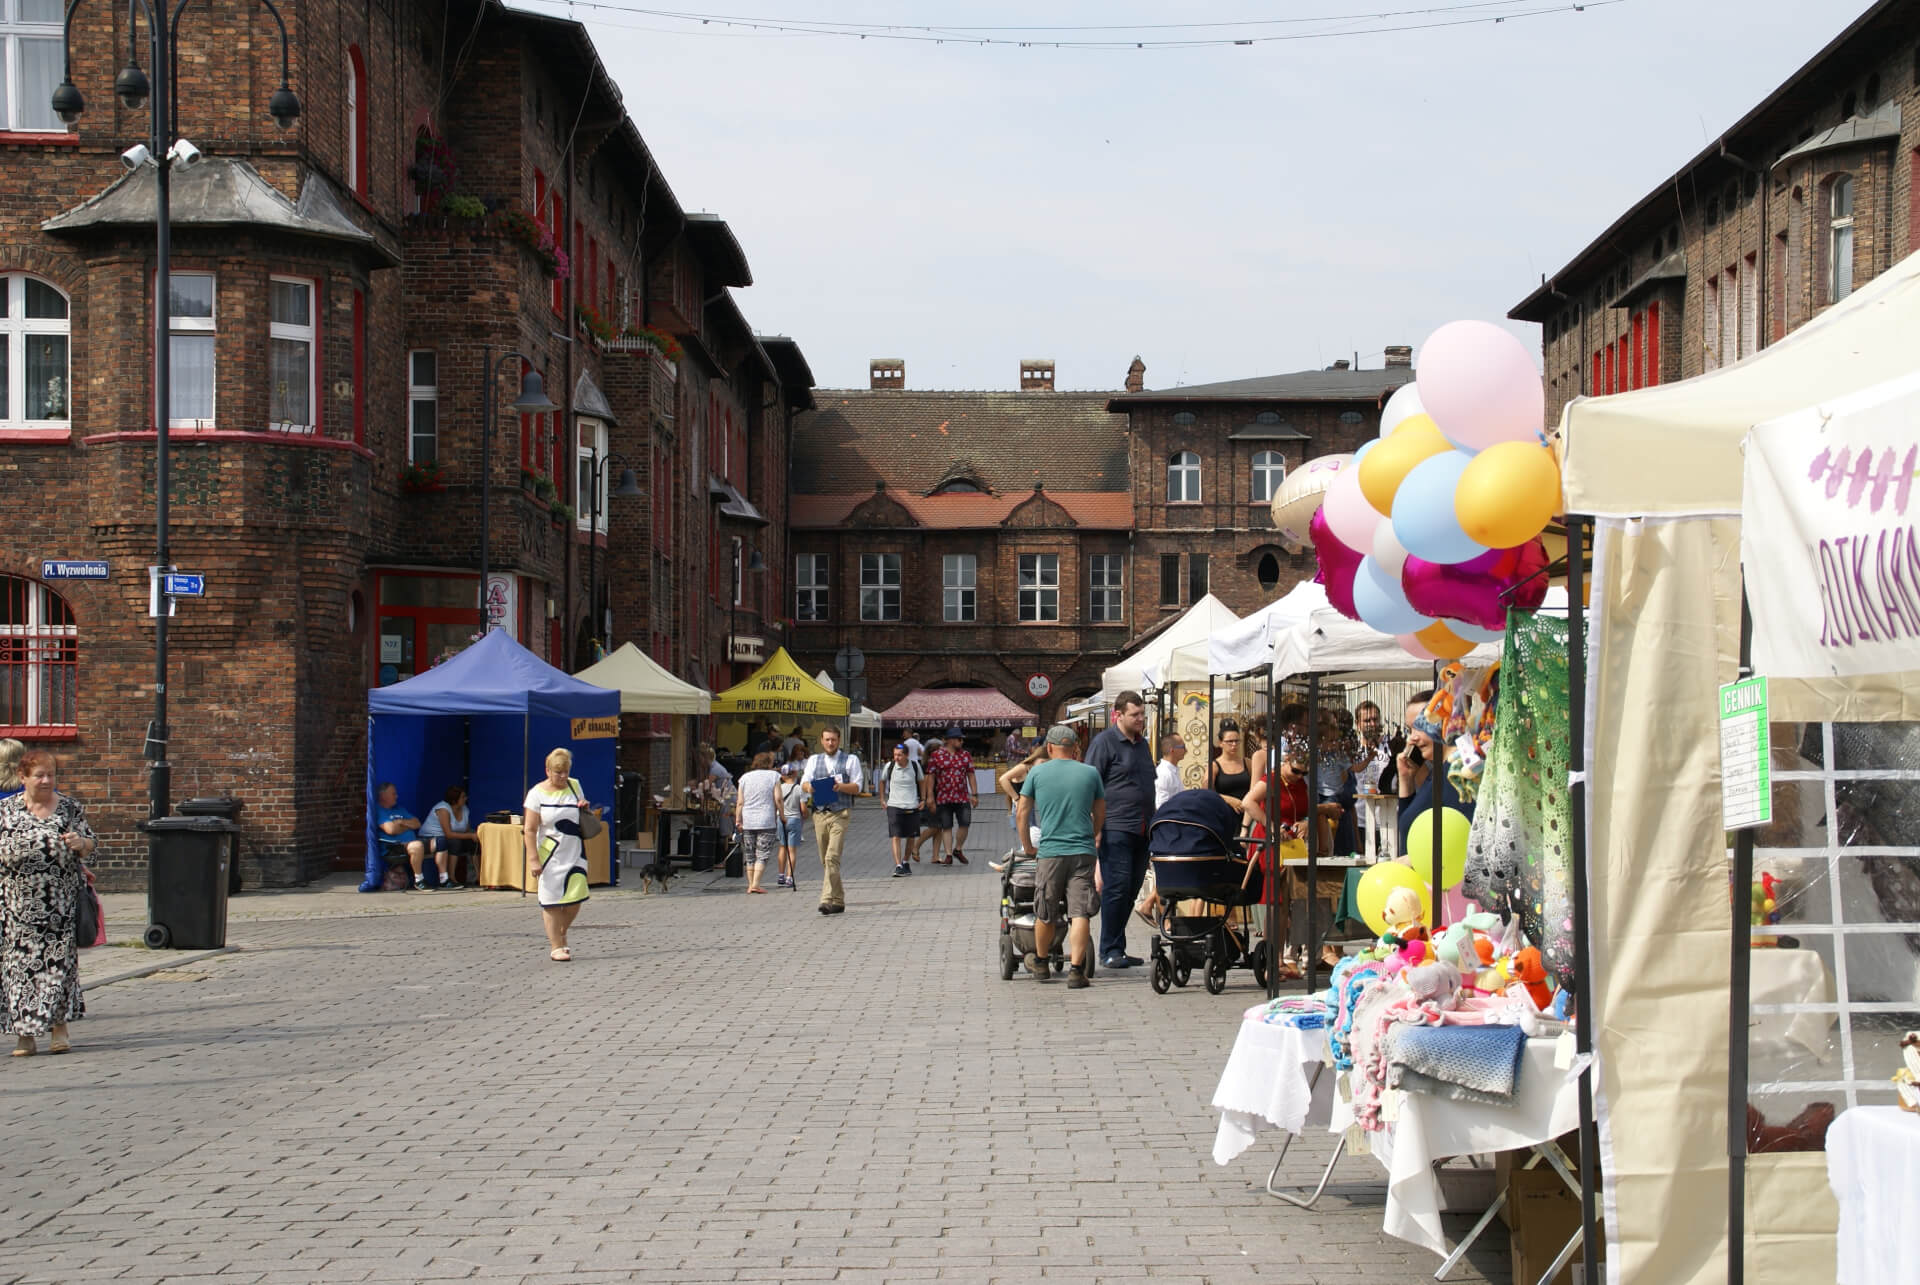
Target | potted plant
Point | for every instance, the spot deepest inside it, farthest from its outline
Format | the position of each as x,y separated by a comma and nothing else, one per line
561,512
655,338
423,477
593,323
518,225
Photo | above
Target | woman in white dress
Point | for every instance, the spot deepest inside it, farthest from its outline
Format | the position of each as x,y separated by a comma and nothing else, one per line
556,854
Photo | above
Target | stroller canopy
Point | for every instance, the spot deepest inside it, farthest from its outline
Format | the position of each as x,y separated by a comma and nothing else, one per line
1193,823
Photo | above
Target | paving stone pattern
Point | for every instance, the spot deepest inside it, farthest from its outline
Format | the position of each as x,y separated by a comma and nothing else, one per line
719,1088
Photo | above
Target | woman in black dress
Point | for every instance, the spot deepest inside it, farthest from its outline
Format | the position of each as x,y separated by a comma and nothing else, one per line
44,839
1229,775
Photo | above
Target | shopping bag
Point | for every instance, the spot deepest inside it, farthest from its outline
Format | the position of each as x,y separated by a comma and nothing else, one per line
90,926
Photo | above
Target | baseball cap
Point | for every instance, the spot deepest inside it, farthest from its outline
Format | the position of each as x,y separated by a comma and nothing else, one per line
1061,734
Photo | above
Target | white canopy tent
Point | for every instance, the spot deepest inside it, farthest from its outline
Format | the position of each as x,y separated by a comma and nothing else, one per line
1346,651
1665,633
1146,666
644,687
1247,644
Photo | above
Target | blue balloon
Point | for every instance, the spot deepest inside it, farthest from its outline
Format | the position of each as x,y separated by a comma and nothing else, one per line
1381,602
1473,633
1423,519
1366,446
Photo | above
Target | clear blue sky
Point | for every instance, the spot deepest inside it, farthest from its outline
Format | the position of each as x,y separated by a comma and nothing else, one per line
1223,212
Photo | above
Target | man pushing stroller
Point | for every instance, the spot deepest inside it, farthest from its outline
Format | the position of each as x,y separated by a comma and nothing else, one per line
1066,801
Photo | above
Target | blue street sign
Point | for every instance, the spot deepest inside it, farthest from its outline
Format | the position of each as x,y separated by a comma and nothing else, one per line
184,586
72,569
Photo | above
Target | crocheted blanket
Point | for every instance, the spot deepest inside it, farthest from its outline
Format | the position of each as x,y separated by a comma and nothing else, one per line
1468,1063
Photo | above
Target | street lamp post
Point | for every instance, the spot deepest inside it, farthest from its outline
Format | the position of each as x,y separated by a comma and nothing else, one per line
533,400
134,91
629,489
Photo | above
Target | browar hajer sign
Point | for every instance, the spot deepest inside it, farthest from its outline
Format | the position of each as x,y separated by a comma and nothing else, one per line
1830,536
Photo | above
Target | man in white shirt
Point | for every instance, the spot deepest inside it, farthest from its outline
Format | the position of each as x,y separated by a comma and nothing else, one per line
1166,774
905,788
915,748
832,779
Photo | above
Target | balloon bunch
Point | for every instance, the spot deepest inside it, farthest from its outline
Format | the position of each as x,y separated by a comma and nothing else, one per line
1427,532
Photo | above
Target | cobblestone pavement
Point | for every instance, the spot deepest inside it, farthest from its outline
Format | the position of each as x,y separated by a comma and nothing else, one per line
719,1088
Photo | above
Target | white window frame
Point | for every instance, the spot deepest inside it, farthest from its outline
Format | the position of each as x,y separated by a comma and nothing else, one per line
1184,466
1040,588
959,585
419,394
879,594
1269,471
1839,229
12,32
188,327
812,587
43,641
355,92
294,332
16,328
1106,588
589,474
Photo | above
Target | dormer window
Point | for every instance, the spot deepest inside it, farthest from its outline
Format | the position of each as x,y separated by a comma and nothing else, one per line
959,486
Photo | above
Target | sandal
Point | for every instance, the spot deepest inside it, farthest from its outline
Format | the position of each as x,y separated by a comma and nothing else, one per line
560,955
23,1046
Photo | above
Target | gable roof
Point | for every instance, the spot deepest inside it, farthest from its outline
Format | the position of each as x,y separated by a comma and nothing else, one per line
1067,442
1300,386
965,510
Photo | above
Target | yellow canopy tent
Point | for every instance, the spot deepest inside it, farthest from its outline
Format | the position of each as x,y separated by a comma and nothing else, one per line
780,689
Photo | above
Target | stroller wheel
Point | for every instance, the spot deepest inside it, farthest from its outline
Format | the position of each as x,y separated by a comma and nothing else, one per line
1216,977
1260,967
1182,975
1009,963
1162,976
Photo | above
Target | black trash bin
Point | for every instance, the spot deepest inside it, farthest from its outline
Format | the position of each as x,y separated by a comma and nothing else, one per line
706,847
230,808
627,817
187,863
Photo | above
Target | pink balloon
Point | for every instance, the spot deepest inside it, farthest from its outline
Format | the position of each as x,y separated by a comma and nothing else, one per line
1348,514
1479,383
1454,593
1412,646
1338,564
1485,562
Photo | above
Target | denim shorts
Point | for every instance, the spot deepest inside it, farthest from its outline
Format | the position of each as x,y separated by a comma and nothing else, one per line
790,832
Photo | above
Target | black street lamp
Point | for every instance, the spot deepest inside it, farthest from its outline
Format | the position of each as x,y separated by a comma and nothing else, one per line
533,400
134,91
629,489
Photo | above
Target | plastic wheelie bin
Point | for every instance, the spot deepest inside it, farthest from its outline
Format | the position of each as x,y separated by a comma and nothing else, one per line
187,863
230,808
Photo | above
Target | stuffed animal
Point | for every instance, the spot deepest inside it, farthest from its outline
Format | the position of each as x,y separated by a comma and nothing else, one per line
1906,1081
1525,972
1436,983
1466,944
1765,908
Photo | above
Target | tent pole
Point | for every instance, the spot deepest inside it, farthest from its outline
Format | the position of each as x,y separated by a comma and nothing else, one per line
1437,777
1739,1004
526,766
1582,894
1313,826
1213,737
1272,890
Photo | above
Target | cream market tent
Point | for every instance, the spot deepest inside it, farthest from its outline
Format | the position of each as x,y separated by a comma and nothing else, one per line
1145,666
1246,644
644,687
1665,635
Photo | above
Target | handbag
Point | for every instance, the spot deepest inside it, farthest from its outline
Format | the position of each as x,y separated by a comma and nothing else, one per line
90,925
590,823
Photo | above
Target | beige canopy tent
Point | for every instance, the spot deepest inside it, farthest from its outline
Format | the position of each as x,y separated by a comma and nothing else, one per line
1661,471
1145,666
646,687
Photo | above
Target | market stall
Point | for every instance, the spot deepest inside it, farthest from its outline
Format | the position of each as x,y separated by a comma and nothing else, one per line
645,687
487,719
780,694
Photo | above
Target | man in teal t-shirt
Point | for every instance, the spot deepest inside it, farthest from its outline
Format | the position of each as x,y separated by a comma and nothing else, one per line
1067,802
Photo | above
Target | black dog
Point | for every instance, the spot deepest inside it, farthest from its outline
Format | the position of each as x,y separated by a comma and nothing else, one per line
655,874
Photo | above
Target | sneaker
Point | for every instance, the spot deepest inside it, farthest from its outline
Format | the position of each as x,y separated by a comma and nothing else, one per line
419,883
1038,967
1113,961
898,870
1077,977
446,880
836,910
1134,961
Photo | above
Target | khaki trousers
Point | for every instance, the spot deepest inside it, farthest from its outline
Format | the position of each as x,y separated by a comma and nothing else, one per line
830,832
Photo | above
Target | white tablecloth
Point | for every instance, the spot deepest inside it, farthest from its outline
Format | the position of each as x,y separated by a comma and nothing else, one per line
1873,1166
1268,1083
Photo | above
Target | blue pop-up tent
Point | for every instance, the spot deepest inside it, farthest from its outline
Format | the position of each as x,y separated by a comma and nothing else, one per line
488,718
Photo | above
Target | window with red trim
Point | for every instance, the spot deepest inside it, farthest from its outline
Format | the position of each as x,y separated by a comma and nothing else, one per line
357,133
559,228
1638,367
1653,344
1625,365
39,659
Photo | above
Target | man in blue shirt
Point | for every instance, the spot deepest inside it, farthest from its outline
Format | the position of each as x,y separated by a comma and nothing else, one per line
1066,801
399,832
1125,763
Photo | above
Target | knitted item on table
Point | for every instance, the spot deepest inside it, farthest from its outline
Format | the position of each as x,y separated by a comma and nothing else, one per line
1519,853
1470,1063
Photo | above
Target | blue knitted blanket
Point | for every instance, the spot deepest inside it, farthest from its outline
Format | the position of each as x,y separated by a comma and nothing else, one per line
1468,1063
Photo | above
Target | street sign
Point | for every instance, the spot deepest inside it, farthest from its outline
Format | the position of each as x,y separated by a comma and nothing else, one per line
185,586
1038,686
72,569
849,662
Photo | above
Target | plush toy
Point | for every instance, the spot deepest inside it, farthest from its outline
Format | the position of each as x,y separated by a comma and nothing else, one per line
1906,1081
1525,972
1466,944
1766,908
1402,912
1436,983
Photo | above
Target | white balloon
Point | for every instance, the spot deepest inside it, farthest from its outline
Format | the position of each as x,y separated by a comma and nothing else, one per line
1400,407
1387,549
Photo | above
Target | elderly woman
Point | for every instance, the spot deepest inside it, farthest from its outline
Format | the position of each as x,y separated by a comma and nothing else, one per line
44,841
556,854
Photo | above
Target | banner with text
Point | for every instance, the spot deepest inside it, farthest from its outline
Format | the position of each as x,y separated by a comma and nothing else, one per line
1830,536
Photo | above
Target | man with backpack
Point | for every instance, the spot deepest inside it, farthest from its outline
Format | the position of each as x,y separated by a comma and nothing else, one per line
833,779
906,790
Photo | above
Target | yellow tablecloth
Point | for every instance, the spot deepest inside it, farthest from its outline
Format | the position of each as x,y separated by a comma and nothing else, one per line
503,857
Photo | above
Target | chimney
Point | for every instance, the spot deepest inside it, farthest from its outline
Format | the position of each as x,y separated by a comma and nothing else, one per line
1399,355
1036,375
1137,376
1341,364
887,372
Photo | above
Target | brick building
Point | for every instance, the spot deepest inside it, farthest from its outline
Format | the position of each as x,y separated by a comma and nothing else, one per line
463,183
1807,196
962,539
1206,459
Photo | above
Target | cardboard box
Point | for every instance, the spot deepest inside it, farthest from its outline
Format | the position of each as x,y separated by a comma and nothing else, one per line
1543,1212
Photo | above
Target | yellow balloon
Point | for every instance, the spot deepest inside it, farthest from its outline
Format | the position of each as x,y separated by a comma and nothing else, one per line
1378,882
1443,642
1394,456
1454,828
1506,494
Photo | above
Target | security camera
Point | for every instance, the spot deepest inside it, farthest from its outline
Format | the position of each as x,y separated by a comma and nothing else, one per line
184,154
136,156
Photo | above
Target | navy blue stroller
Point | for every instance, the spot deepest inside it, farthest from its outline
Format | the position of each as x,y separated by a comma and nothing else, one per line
1203,881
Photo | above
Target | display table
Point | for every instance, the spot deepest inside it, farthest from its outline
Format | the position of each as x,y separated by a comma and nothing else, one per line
1270,1083
503,857
1873,1166
1335,877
